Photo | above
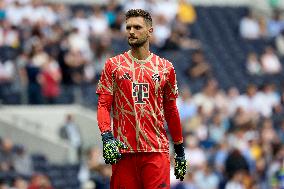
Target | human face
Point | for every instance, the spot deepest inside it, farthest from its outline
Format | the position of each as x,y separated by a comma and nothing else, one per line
138,31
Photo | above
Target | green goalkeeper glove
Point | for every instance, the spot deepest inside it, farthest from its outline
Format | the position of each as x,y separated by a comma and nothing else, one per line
180,162
111,147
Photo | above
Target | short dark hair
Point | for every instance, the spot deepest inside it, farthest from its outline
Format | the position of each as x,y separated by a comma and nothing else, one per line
139,13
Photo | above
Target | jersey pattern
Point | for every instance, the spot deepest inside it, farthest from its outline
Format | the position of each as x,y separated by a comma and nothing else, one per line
139,89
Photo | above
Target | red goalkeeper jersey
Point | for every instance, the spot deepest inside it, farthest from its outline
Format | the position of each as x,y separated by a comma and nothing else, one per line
139,88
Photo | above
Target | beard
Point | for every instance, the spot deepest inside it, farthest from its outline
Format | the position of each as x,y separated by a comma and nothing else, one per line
138,43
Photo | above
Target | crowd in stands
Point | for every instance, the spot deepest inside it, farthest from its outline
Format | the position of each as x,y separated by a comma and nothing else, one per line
16,168
54,53
254,27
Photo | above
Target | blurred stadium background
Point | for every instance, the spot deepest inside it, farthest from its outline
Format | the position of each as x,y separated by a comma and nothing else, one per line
228,56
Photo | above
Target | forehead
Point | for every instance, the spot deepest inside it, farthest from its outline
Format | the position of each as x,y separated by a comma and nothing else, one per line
135,21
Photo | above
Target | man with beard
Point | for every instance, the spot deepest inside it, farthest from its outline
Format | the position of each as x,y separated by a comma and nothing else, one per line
141,89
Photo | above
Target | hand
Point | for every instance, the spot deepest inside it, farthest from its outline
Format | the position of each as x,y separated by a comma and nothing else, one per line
180,167
111,147
180,161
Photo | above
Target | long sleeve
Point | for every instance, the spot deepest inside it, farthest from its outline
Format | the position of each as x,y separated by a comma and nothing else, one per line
103,113
173,120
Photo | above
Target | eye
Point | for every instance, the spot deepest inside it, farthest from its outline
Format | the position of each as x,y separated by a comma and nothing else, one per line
128,27
138,27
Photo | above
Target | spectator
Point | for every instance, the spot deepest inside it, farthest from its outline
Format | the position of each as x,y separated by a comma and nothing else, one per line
89,185
188,183
134,4
162,31
22,162
187,109
232,96
117,26
280,132
40,181
194,153
15,12
199,68
219,158
89,164
112,9
7,75
279,42
78,42
6,155
184,38
101,51
172,42
263,27
186,12
249,27
236,182
3,185
235,166
75,61
81,23
98,22
253,65
20,183
206,98
275,25
269,98
217,129
2,10
268,134
49,79
249,102
270,62
29,75
170,6
9,35
95,170
205,178
71,133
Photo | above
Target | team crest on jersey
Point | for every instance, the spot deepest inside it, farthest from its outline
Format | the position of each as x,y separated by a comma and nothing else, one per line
156,77
140,91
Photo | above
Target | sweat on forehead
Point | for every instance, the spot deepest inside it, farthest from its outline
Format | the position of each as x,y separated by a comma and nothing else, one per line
139,13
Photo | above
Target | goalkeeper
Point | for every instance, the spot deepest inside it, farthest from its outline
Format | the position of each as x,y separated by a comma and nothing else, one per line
140,89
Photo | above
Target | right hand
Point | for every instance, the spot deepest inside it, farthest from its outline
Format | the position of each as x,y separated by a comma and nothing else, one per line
111,147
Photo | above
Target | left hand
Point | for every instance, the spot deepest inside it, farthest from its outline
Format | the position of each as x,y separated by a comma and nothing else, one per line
180,167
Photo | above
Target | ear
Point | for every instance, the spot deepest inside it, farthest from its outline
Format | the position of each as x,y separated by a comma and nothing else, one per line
150,31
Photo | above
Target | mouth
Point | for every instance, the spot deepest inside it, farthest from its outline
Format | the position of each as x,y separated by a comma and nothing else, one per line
131,38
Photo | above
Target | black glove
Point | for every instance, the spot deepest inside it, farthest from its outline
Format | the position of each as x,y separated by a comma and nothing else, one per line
111,147
180,162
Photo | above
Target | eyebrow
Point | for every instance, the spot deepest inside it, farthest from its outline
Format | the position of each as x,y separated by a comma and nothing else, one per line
133,25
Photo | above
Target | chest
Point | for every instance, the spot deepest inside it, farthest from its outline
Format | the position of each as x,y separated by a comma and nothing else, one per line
155,76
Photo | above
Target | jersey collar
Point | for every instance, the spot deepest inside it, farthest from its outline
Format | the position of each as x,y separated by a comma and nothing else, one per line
140,61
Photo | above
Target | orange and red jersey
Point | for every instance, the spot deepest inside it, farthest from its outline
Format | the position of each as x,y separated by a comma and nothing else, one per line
138,91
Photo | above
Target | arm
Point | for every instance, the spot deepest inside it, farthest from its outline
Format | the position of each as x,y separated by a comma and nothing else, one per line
103,113
111,145
173,120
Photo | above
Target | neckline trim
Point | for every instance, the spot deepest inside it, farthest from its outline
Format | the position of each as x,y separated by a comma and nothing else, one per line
140,61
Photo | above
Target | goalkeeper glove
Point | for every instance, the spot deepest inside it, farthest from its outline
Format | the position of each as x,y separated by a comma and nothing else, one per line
111,147
180,162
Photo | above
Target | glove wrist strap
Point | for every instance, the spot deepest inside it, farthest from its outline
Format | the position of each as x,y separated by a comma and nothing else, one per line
107,136
179,150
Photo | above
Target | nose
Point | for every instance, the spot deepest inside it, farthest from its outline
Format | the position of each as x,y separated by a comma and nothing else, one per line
131,31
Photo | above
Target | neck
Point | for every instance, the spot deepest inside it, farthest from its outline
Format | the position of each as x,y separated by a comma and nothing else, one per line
140,53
